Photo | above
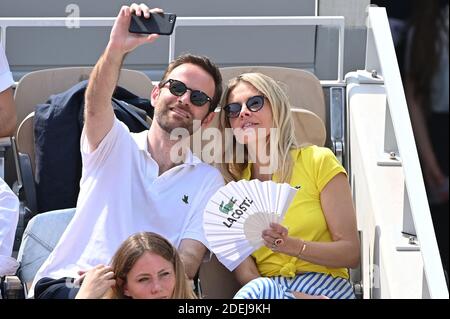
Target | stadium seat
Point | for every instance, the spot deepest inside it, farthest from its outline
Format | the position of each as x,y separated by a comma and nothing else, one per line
36,87
302,87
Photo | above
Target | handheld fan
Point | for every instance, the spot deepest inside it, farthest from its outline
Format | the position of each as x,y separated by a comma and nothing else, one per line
238,212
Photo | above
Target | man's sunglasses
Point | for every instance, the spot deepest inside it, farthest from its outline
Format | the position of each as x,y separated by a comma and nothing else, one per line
254,104
178,88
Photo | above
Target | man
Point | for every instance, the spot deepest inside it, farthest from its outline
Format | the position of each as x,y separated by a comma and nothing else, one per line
9,216
9,203
130,182
8,115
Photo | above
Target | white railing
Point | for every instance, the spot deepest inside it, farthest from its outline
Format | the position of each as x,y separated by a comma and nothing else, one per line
381,57
70,22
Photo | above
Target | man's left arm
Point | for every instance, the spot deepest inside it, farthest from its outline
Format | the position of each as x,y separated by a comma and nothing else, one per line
192,247
191,252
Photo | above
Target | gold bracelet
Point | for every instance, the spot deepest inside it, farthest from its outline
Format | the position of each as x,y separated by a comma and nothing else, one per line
302,250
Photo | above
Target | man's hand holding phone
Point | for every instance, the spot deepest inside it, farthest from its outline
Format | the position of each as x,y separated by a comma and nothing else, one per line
99,114
121,40
159,23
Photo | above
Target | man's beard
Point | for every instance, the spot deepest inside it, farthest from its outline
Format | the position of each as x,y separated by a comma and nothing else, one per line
168,124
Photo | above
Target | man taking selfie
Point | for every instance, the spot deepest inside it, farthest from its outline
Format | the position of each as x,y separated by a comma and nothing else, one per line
129,182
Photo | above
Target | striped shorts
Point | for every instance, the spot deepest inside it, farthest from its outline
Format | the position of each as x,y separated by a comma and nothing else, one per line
310,283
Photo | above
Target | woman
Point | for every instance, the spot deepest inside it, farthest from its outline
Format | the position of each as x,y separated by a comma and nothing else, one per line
309,254
146,266
427,93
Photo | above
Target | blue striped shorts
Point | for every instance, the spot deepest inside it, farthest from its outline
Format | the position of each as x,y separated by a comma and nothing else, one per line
310,283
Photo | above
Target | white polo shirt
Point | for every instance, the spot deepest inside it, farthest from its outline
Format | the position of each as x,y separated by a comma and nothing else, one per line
9,216
121,194
6,79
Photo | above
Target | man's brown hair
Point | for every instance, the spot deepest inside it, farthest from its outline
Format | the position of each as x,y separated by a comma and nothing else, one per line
206,64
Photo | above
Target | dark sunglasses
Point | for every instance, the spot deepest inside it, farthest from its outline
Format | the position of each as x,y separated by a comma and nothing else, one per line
178,88
254,104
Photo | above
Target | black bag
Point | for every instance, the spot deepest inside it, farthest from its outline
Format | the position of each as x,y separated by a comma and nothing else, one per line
57,131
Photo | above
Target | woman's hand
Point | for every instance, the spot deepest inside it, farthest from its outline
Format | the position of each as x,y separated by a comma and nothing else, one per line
96,283
276,238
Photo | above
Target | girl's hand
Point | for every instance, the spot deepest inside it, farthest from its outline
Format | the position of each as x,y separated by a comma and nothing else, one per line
96,283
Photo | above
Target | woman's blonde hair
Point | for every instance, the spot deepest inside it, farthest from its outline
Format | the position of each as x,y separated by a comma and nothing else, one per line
281,120
133,248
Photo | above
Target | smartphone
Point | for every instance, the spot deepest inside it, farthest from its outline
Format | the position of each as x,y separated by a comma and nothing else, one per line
158,23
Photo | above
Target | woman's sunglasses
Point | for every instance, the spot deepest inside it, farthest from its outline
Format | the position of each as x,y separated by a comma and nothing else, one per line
254,104
178,88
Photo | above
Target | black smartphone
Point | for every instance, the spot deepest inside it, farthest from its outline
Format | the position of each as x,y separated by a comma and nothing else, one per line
158,23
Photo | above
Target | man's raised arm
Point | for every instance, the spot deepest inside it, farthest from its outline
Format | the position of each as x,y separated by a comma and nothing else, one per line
98,113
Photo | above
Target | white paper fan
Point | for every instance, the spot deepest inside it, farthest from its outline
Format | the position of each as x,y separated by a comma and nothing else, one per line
238,212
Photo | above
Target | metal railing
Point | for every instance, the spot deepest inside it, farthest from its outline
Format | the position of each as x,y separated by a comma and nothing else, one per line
71,22
381,58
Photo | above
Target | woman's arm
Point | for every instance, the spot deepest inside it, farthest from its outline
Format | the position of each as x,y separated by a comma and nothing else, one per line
344,250
337,206
246,271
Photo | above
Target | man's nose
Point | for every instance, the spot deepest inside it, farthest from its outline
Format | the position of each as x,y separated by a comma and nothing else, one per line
185,98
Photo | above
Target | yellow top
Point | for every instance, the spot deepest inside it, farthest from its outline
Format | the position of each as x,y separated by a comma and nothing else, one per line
314,167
